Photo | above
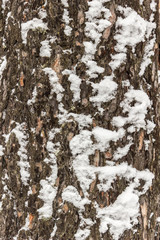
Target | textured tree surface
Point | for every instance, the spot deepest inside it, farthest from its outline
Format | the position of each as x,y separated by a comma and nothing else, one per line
79,120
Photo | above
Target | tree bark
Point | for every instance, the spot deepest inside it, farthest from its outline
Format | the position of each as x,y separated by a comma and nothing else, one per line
79,120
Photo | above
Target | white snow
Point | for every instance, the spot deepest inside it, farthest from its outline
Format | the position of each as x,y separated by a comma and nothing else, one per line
4,2
3,64
94,27
158,76
137,112
82,146
117,60
82,142
148,53
84,228
65,3
68,29
141,2
53,232
33,99
7,193
121,215
82,119
105,136
22,137
1,150
66,18
131,30
75,83
0,206
25,227
47,194
122,152
158,219
70,194
75,86
45,49
31,24
153,5
82,234
150,126
126,83
48,191
105,90
42,13
56,87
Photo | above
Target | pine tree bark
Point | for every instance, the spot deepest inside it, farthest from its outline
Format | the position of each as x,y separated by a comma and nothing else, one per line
68,95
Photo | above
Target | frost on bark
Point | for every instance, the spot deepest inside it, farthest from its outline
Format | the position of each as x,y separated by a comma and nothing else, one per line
79,120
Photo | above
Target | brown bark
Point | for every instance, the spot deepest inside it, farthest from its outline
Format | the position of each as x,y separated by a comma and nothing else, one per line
24,72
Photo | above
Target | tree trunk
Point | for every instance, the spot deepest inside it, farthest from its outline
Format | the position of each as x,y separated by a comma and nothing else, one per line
79,120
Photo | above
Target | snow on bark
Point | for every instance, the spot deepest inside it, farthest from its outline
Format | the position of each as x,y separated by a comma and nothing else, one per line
48,191
3,64
95,25
32,24
22,137
127,34
25,228
66,18
1,150
4,3
131,30
45,50
56,87
90,132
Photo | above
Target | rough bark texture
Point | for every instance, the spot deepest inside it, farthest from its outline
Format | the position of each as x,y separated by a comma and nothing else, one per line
24,72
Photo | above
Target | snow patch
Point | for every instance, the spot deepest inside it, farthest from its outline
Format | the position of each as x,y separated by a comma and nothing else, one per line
95,25
3,64
53,232
1,150
45,49
141,2
82,146
153,5
136,113
47,195
105,136
42,13
4,3
25,228
148,53
56,87
82,119
121,215
34,93
70,194
32,24
158,219
130,30
66,18
75,86
84,228
75,83
22,137
48,191
105,90
122,152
